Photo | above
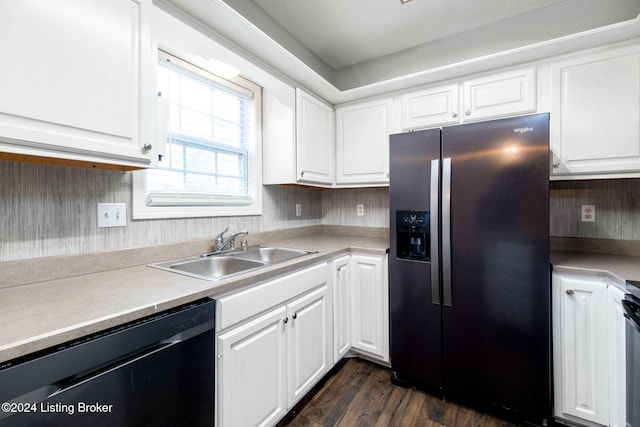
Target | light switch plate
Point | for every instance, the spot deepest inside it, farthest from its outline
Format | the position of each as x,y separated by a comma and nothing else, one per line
360,210
112,215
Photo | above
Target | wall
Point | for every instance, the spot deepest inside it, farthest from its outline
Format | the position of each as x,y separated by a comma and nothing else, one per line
49,210
617,205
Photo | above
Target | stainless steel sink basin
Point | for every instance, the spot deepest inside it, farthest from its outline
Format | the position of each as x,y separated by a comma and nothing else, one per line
270,255
226,264
210,268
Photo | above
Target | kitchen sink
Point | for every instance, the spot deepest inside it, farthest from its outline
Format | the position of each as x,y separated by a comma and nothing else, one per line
270,255
211,268
226,264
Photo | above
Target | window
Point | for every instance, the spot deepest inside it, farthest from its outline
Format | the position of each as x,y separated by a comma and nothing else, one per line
211,164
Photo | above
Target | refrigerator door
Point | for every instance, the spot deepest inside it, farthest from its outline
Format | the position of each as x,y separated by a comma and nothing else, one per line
496,322
416,352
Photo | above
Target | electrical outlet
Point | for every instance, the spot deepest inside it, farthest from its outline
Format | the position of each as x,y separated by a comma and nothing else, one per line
112,215
360,210
298,209
588,213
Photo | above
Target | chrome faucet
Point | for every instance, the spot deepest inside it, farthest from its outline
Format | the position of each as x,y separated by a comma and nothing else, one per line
231,242
221,244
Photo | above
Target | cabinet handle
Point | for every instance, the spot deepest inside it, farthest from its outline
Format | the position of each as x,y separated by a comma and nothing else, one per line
295,316
454,115
286,320
467,113
147,147
569,291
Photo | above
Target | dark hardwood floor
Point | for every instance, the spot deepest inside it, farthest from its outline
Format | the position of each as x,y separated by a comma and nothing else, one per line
361,394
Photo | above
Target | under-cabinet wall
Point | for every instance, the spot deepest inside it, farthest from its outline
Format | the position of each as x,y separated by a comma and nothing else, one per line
51,210
617,204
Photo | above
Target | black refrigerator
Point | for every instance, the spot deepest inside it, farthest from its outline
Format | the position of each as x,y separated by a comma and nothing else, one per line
469,275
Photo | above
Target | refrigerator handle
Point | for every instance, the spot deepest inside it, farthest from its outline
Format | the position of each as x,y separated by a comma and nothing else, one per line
446,232
435,184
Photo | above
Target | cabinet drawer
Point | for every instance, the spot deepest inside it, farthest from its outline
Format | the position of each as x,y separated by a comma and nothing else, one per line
242,305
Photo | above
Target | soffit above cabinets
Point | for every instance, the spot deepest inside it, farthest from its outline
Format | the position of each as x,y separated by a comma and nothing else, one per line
344,50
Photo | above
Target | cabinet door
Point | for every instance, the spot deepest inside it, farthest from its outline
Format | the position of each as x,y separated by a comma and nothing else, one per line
362,142
583,349
278,136
341,308
252,371
430,107
309,342
617,357
370,306
504,94
77,80
314,140
595,113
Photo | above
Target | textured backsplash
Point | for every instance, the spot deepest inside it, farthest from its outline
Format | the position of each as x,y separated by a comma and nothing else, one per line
617,204
48,210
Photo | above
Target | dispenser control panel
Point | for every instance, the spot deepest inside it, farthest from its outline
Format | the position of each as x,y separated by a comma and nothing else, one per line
412,234
412,218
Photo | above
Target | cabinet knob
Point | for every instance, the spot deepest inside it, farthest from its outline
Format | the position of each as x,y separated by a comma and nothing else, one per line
467,113
286,320
556,165
147,147
454,115
295,316
569,291
302,173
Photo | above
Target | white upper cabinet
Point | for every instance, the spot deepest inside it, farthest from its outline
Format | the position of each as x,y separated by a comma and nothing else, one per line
502,94
430,107
314,140
77,82
595,114
298,138
362,142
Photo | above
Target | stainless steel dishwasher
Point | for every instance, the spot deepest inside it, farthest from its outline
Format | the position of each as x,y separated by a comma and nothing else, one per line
631,306
155,371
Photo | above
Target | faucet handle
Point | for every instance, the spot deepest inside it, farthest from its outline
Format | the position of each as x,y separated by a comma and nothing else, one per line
219,238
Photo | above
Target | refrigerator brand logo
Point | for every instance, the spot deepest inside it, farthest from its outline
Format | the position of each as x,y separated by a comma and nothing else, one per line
523,130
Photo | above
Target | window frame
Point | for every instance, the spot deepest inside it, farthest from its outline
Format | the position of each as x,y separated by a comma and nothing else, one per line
188,205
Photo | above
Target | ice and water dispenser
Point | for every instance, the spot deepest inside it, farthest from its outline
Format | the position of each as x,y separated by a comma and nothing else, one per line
413,236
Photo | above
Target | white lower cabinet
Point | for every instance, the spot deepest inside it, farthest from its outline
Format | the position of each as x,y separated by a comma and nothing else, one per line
370,306
588,335
617,357
341,307
252,372
276,340
309,342
274,343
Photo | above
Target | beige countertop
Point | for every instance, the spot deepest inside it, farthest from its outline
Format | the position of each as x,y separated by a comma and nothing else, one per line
40,315
619,268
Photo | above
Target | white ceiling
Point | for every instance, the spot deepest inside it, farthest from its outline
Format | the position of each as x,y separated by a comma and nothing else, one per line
339,48
344,33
